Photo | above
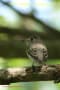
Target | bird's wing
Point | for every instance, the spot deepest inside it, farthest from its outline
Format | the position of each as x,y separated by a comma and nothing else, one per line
32,53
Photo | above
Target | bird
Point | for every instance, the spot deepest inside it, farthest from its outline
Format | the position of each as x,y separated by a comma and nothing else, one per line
36,50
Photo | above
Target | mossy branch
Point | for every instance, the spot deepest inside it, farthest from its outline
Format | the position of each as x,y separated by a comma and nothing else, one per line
27,74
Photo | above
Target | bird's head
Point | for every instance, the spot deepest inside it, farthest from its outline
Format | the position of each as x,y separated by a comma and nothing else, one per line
33,39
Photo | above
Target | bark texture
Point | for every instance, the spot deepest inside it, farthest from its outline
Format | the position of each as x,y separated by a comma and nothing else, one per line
27,74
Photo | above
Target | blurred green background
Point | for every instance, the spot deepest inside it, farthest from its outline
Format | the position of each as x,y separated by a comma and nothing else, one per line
19,20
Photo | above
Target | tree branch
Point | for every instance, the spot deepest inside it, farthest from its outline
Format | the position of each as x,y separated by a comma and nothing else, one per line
27,74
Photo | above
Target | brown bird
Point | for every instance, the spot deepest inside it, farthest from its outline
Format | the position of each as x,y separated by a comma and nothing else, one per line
37,51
